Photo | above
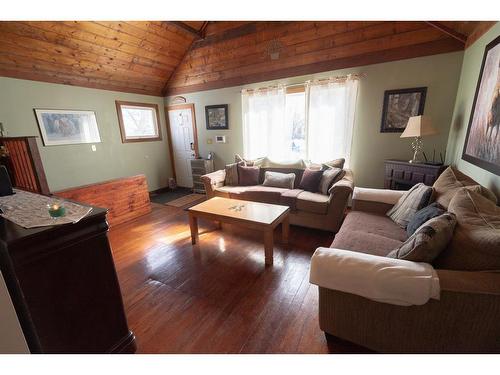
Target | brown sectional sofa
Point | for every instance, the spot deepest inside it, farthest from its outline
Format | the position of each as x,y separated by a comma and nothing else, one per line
465,319
313,210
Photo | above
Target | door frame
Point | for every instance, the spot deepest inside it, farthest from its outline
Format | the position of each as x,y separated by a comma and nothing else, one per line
169,133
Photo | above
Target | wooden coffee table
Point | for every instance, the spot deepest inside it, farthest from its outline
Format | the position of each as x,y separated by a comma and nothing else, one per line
253,215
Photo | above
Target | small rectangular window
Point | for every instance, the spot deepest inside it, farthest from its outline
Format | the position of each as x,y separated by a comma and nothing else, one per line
138,121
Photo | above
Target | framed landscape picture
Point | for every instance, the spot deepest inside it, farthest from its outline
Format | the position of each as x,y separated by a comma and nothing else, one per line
399,106
66,127
482,142
217,117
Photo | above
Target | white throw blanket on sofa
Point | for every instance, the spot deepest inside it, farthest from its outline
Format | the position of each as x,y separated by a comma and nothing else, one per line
388,280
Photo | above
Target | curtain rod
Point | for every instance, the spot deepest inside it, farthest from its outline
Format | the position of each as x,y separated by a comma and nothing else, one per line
319,81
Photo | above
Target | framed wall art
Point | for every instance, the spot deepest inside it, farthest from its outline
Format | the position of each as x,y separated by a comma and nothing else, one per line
66,127
399,106
217,117
482,142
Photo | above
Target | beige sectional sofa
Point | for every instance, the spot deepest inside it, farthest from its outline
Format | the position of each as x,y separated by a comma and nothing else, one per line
465,319
313,210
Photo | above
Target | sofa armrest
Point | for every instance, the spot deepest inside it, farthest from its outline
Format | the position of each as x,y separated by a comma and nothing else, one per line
338,199
469,282
213,180
377,201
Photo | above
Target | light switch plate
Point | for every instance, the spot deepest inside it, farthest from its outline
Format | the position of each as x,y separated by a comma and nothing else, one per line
94,148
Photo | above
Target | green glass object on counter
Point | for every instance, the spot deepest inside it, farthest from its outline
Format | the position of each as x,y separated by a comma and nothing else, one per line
56,210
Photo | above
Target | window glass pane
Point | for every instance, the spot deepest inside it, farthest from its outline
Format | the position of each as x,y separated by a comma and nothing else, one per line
296,124
139,122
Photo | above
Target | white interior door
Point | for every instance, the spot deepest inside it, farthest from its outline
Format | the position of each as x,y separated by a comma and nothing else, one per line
183,147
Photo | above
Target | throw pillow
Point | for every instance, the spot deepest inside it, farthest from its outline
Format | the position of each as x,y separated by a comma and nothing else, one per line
451,180
428,241
310,180
231,175
337,163
410,202
329,177
425,214
279,180
475,246
248,176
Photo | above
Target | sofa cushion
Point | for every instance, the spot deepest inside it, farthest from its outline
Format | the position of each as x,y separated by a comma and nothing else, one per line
289,198
369,233
451,180
279,180
248,176
310,180
312,202
337,163
475,245
423,215
413,200
428,241
297,164
234,190
264,194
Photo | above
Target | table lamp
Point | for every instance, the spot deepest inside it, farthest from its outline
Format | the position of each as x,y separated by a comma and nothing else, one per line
418,127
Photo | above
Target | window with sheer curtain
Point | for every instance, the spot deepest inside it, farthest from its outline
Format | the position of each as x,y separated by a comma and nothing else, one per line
314,123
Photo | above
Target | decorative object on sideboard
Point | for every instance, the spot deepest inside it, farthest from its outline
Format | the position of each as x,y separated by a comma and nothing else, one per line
418,127
67,127
139,122
399,106
217,117
56,209
482,142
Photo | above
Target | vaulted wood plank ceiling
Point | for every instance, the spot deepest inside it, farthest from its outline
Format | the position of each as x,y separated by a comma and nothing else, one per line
163,57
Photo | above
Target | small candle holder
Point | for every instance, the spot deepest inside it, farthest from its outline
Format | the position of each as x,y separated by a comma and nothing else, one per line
56,209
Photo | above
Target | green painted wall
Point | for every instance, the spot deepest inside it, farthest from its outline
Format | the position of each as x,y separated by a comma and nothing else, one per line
440,73
75,165
469,76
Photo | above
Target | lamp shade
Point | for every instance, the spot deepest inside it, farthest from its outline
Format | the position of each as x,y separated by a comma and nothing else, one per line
418,126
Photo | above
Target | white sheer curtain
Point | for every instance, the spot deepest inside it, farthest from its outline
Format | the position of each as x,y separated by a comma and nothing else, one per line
264,132
330,119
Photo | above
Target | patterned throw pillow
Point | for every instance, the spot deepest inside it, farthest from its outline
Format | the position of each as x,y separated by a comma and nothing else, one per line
231,175
410,202
310,180
279,180
248,176
328,178
428,241
425,214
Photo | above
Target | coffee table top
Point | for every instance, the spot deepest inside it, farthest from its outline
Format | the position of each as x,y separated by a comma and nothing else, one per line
263,213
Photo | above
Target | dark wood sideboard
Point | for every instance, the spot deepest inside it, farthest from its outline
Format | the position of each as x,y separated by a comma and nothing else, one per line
64,287
402,175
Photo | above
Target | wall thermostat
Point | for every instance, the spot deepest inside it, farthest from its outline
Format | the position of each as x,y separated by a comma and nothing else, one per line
220,138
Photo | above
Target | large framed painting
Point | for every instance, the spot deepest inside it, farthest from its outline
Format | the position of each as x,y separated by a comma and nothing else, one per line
399,106
67,127
482,142
216,116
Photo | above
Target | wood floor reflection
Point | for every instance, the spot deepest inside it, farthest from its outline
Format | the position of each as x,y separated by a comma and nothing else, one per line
217,297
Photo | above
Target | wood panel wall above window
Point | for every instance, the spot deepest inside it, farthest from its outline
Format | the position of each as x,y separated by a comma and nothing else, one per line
171,57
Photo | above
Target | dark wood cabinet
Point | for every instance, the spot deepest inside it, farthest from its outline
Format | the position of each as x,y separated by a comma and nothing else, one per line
402,175
64,287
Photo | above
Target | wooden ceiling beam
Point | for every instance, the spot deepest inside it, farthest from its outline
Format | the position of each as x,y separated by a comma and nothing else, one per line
181,25
448,31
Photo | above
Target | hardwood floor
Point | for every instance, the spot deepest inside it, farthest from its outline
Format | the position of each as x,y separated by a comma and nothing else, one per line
217,296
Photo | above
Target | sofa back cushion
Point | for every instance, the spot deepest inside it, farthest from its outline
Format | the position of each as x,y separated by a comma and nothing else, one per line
428,241
231,178
475,245
410,202
248,176
310,180
279,180
451,180
328,178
